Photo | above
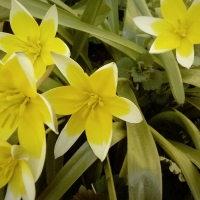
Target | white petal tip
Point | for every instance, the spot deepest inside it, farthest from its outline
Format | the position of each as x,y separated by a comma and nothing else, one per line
64,142
100,150
185,61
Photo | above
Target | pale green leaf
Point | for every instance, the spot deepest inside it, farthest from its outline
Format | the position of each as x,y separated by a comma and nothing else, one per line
192,154
190,172
180,119
109,179
143,162
76,166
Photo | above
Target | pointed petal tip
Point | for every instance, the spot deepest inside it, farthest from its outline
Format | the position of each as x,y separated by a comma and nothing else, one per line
185,62
64,142
100,150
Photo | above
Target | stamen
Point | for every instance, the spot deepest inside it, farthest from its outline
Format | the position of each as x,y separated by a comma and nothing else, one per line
5,120
22,107
13,120
90,103
32,47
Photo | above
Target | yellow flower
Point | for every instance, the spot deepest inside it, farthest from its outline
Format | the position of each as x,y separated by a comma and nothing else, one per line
15,171
35,41
21,106
178,30
92,101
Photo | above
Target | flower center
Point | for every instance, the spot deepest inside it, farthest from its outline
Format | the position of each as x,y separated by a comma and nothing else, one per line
32,47
7,166
181,29
13,98
92,101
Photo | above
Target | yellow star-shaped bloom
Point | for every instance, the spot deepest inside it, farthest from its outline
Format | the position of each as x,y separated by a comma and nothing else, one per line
23,108
15,171
178,30
92,101
35,41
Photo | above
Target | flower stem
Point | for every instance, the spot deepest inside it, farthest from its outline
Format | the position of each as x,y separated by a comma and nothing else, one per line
45,75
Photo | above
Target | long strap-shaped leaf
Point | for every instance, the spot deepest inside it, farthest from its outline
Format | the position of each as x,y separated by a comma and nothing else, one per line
88,16
170,64
192,154
76,166
180,119
190,172
144,172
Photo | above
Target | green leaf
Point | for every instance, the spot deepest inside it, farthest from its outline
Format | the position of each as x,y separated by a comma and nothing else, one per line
101,185
124,66
191,76
76,166
4,14
109,179
120,186
195,101
113,16
85,194
146,58
190,172
88,16
174,76
52,165
154,81
144,172
192,154
180,119
70,39
49,84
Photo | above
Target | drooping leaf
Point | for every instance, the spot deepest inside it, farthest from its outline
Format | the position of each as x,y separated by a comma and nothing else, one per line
143,162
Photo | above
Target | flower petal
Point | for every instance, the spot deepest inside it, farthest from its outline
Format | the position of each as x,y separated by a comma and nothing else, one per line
151,25
49,25
28,181
70,133
10,43
123,108
165,42
23,24
21,184
185,53
65,100
193,33
3,143
104,80
31,134
15,187
31,131
54,45
5,149
73,72
36,165
43,106
193,14
8,122
4,179
25,80
99,131
39,67
174,12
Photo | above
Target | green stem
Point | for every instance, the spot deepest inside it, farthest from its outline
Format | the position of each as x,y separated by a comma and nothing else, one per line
45,76
109,179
